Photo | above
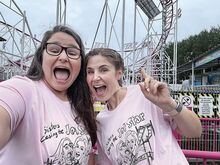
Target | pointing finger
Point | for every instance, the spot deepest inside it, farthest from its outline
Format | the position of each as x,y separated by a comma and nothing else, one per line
147,80
144,75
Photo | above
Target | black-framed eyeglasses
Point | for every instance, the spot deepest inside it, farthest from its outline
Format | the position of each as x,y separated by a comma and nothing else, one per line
54,49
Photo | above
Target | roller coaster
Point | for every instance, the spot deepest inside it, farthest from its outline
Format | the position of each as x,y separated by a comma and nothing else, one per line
157,19
160,25
17,43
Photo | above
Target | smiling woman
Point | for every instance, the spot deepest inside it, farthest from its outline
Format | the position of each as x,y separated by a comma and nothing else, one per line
135,126
50,107
60,71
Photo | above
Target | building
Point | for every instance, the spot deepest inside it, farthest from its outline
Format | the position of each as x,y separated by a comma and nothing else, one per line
204,70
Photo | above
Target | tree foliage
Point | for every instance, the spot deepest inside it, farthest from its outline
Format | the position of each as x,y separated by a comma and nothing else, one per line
195,45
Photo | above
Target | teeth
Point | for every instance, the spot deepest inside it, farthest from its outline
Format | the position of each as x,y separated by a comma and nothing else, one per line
97,86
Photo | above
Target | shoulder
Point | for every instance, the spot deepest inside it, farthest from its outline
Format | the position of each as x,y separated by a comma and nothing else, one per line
17,81
136,96
135,90
18,84
15,96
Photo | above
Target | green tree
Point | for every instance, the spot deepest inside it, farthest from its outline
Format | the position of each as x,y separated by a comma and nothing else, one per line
198,44
194,46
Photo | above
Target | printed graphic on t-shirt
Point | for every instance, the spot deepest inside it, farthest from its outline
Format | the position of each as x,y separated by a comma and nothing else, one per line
73,148
132,142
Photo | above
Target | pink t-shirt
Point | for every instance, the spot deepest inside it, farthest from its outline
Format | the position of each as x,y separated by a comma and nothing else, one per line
43,127
136,133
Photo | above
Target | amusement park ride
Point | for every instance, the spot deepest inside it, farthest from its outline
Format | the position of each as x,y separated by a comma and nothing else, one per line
119,28
157,18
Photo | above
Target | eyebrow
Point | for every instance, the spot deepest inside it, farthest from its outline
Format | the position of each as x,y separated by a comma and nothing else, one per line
68,46
100,66
104,65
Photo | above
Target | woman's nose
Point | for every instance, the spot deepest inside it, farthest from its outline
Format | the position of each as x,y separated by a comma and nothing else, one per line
96,76
63,55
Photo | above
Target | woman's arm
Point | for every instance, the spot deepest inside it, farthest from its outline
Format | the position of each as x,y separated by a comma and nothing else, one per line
188,124
158,93
91,159
5,130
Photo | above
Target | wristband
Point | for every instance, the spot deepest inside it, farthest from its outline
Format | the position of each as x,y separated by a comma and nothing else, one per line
177,110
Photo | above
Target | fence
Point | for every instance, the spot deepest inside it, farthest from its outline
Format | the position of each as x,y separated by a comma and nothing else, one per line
206,149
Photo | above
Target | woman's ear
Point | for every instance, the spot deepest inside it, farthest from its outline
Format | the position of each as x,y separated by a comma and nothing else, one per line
119,74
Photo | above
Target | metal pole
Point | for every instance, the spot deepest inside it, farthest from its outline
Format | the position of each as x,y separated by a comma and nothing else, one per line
22,42
65,12
106,22
58,12
134,40
192,76
123,29
175,46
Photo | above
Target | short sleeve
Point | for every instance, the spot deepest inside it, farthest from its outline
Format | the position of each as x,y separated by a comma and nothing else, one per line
14,97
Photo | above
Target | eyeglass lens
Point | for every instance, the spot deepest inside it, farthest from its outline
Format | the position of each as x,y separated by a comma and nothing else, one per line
55,50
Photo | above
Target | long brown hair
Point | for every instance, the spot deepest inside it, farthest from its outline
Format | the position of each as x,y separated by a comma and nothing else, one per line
78,93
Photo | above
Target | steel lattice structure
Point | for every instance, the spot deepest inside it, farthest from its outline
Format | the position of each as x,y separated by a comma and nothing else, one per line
17,43
159,19
138,29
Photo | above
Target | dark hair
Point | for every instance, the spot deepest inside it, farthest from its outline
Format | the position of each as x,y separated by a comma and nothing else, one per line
78,93
111,55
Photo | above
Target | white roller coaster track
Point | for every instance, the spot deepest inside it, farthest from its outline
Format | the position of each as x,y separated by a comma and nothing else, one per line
150,52
17,42
158,63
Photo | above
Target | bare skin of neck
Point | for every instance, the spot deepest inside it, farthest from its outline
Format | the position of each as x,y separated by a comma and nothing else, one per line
116,98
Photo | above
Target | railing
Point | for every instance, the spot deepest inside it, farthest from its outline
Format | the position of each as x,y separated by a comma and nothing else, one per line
206,149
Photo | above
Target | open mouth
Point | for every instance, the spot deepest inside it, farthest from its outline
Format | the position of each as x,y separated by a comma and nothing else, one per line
100,89
61,73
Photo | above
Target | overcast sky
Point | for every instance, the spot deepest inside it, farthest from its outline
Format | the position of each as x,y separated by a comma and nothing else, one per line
83,15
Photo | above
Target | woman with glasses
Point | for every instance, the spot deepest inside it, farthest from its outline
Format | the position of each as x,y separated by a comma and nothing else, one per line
46,117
